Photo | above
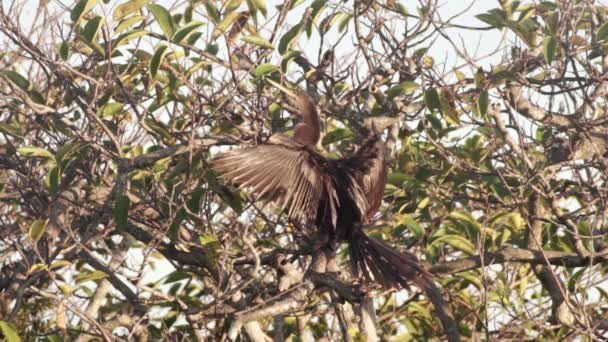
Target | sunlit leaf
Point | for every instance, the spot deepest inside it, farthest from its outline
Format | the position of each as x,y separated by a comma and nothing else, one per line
457,242
126,23
164,19
82,7
90,276
401,89
224,24
110,109
264,69
9,331
257,40
127,8
33,151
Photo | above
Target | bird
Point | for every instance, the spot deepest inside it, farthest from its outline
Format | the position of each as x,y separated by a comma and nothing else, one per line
338,197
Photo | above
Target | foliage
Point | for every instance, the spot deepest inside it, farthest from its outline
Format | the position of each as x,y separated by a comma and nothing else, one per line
113,225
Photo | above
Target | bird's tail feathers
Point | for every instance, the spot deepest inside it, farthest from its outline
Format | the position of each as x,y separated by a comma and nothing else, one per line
376,261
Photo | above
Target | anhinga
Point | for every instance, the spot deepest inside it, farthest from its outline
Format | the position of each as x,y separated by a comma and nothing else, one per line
337,196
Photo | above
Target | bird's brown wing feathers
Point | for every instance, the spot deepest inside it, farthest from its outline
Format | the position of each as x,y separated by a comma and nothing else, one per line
368,167
288,175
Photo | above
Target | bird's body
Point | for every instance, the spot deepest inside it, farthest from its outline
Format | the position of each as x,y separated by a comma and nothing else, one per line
337,196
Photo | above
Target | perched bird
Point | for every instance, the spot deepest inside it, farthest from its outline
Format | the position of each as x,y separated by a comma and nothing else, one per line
336,196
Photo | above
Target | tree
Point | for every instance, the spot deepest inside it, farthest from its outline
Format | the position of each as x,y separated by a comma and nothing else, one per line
114,226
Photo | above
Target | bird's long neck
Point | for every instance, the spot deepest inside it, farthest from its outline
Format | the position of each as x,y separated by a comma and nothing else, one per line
308,131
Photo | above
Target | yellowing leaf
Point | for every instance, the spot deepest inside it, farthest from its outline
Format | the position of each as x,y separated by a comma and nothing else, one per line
89,276
457,242
81,8
125,24
257,40
127,8
37,229
33,151
9,331
265,69
224,24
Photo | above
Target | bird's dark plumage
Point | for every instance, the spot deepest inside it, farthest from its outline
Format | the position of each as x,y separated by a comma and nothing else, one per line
335,195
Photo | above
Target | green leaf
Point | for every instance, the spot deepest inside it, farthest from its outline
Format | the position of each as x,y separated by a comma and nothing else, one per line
257,5
52,179
110,109
264,69
232,5
93,275
401,89
91,29
37,229
19,80
344,22
211,11
457,242
336,135
158,128
60,264
121,211
33,151
127,8
9,331
63,49
257,40
317,8
480,78
602,32
397,178
412,225
163,17
185,31
232,199
289,38
549,48
224,24
288,57
482,103
157,59
492,19
431,99
177,276
81,8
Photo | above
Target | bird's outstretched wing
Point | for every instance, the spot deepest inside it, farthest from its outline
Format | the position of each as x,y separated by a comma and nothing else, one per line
286,173
367,166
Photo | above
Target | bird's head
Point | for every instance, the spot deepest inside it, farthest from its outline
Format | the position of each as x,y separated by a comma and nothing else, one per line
308,130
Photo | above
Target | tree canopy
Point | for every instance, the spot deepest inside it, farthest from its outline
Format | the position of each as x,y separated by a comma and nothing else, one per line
114,227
